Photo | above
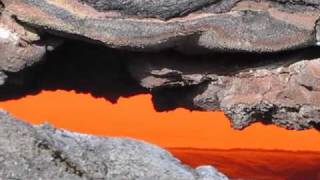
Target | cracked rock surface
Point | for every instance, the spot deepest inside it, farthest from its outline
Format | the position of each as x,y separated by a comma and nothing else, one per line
43,152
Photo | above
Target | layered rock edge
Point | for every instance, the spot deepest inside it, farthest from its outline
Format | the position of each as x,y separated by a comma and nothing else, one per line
253,26
43,152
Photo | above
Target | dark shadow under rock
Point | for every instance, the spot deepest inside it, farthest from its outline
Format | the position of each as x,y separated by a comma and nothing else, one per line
75,66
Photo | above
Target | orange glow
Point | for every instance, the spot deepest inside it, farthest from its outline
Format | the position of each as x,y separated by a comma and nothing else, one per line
256,164
135,117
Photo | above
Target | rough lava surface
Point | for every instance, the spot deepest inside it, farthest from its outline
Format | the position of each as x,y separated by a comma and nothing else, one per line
255,60
43,152
228,25
281,89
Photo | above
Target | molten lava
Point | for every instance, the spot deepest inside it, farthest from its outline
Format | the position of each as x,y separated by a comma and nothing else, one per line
136,117
256,164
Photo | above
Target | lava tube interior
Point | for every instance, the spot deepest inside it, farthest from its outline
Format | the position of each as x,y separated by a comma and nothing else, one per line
197,138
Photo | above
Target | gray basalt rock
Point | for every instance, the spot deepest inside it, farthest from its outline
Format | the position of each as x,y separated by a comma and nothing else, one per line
228,25
43,152
161,8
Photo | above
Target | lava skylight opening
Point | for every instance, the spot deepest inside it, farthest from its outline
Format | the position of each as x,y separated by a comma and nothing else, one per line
136,117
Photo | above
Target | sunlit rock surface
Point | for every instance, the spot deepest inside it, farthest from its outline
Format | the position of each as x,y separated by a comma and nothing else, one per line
43,152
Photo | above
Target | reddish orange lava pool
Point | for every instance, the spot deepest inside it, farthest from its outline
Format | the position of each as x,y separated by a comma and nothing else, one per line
197,138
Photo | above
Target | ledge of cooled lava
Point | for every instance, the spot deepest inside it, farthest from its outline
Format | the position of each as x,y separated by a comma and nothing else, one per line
253,59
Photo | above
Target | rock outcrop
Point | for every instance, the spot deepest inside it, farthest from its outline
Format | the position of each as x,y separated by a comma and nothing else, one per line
255,60
281,89
43,152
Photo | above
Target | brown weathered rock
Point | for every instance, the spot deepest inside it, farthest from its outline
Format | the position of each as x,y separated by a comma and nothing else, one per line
282,89
19,46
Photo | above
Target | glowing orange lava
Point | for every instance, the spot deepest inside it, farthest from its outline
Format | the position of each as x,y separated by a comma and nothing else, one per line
255,164
135,117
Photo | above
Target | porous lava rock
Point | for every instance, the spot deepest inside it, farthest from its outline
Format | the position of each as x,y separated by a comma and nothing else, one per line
43,152
281,89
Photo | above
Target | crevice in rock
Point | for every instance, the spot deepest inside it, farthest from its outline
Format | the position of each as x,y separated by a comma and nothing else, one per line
60,159
315,125
170,98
